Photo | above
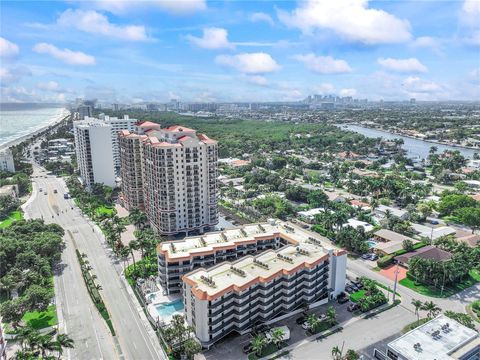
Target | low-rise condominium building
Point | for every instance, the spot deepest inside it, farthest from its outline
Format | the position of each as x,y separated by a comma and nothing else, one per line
235,296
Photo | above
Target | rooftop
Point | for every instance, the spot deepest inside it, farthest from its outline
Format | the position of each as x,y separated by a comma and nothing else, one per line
434,340
229,239
426,252
242,273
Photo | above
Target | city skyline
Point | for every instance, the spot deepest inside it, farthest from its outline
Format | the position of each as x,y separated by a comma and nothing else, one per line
194,51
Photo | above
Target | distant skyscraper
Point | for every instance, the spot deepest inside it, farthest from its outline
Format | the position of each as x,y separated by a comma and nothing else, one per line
179,177
84,111
6,160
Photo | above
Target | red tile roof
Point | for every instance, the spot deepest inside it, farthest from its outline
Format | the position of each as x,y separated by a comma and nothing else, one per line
146,124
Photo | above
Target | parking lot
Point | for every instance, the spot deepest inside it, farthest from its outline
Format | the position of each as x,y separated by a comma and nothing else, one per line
231,348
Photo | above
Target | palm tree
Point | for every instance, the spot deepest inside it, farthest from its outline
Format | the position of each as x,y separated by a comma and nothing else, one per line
124,253
277,336
313,321
23,334
46,343
331,316
418,306
351,355
137,218
63,341
336,353
431,308
133,245
258,343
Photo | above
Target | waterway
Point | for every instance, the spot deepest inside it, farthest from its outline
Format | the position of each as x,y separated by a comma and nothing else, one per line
415,148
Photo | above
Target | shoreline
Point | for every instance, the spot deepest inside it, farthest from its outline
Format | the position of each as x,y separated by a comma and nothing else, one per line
412,137
56,121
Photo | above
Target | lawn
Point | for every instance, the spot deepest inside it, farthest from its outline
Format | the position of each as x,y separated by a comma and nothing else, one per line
14,215
356,296
104,210
322,326
41,319
427,290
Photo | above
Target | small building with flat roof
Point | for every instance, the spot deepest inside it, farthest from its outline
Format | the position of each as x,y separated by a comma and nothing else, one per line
441,338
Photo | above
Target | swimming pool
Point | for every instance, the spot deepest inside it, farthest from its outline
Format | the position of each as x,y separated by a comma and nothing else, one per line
166,310
371,243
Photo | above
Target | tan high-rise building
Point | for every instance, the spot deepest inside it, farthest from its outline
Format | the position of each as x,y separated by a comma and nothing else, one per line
172,174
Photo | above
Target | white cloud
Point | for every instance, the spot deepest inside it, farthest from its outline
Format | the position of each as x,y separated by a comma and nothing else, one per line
205,97
257,80
324,64
49,86
122,7
7,48
324,88
348,92
410,65
427,42
260,16
414,84
213,38
350,19
95,23
470,13
249,63
66,55
10,75
473,39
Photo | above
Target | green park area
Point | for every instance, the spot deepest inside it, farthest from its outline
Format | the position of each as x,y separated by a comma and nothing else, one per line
104,211
13,216
41,319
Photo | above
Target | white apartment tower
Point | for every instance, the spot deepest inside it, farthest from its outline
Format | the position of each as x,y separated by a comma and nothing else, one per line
94,152
117,125
179,177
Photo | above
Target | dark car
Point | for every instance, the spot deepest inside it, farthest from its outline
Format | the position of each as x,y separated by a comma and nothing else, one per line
247,349
434,222
366,256
300,320
342,299
349,289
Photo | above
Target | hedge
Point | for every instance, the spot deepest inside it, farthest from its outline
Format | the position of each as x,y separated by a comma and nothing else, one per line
385,261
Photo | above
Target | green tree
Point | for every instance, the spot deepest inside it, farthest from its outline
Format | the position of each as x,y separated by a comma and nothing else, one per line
277,336
418,305
431,308
407,245
469,216
258,343
331,315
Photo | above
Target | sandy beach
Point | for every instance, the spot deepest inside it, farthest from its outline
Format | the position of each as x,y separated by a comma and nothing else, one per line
56,120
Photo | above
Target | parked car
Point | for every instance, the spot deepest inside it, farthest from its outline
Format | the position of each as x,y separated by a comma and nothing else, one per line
373,257
45,193
349,289
247,349
352,307
55,191
366,256
342,300
305,326
66,196
434,222
300,320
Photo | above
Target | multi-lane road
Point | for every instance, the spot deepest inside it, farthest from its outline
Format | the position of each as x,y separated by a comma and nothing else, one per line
77,315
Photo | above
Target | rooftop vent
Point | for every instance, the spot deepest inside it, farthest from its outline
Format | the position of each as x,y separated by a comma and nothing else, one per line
417,347
285,258
203,242
261,264
208,281
302,251
238,271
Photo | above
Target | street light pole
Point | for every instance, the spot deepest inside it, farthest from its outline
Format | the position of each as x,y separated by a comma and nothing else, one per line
395,283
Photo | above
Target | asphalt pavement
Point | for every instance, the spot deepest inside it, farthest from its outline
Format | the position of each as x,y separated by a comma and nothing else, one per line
78,316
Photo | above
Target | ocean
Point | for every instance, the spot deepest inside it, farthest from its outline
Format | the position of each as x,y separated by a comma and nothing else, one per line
19,120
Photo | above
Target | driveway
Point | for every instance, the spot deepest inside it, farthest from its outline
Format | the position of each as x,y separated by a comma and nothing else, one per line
389,272
358,335
231,347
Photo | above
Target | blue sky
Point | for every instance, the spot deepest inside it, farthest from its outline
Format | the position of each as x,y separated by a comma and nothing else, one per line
198,50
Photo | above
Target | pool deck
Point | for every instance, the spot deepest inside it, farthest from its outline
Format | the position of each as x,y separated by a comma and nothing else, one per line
159,298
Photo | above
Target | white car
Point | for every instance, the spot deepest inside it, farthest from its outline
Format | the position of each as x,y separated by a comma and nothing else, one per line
305,326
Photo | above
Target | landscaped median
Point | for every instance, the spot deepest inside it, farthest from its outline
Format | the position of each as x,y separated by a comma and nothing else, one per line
94,289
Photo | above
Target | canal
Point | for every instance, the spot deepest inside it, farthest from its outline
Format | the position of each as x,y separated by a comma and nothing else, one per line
415,148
